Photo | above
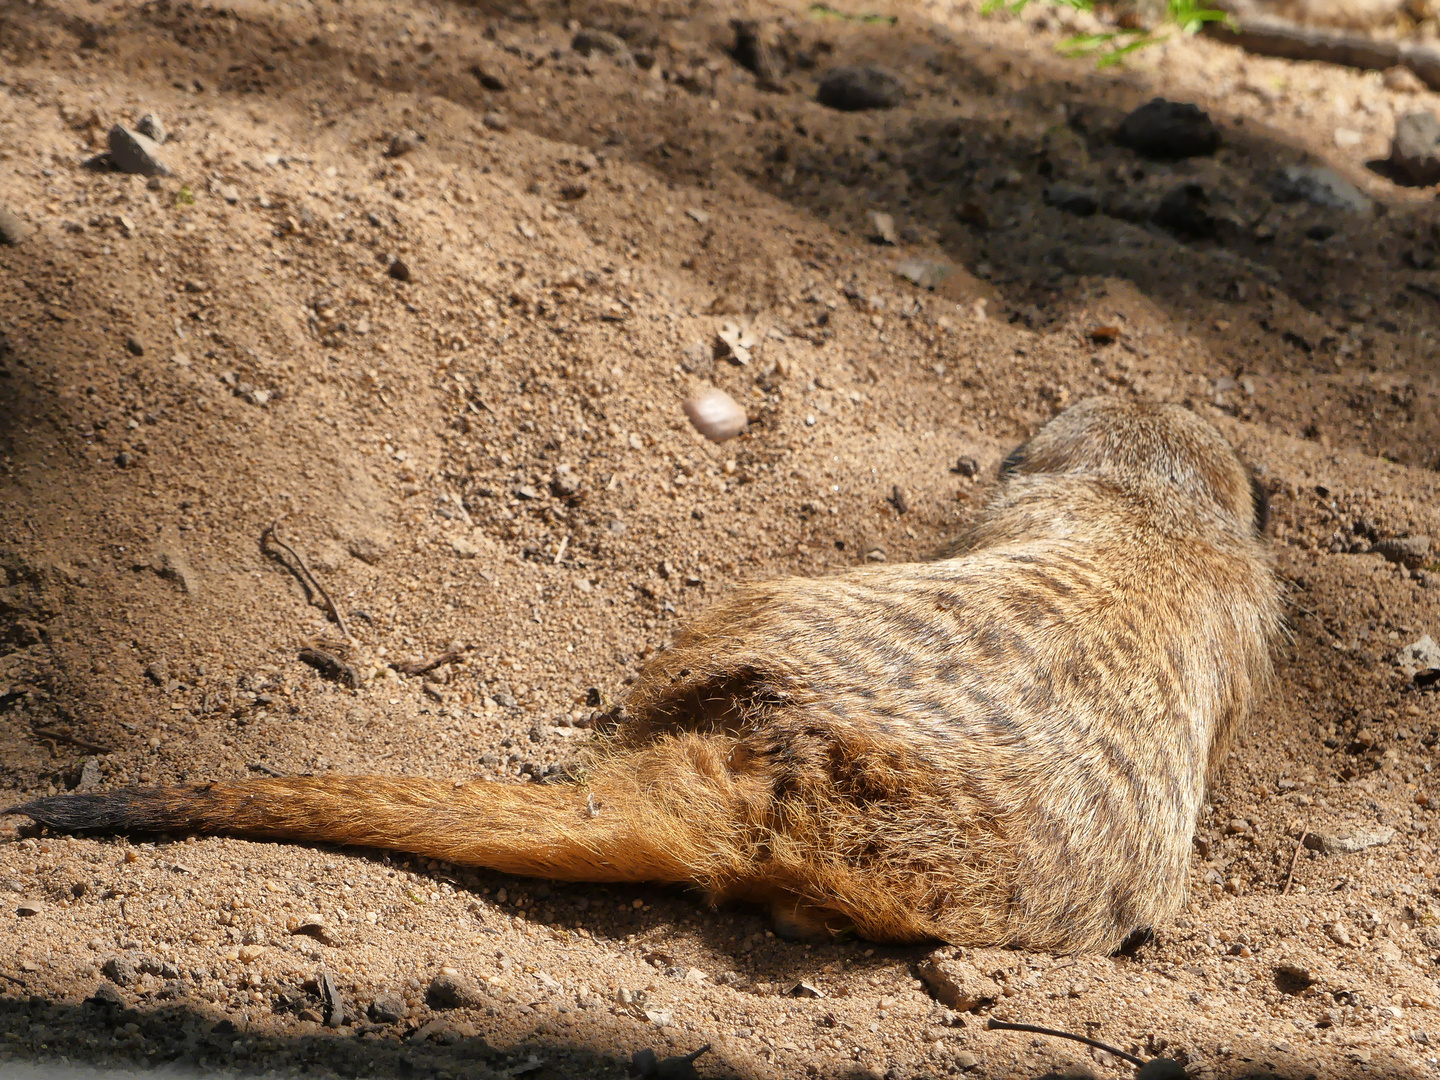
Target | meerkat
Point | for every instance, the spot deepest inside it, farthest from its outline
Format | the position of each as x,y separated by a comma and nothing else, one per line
1006,746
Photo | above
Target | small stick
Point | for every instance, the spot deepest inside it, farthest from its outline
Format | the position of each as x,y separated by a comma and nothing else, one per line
1005,1025
271,533
560,553
73,740
419,667
260,766
1294,858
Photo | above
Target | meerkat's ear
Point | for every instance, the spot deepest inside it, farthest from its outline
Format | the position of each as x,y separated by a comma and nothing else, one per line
1260,503
1013,460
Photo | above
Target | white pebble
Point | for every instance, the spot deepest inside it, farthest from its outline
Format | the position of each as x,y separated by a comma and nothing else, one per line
716,415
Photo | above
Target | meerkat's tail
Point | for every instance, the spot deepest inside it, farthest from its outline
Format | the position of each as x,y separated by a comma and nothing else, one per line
673,812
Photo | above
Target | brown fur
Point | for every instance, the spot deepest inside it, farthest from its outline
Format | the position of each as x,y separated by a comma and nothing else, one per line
1006,746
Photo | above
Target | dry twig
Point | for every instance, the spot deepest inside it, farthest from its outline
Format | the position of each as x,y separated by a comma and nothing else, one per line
1005,1025
271,534
331,666
1294,858
420,667
1274,37
74,740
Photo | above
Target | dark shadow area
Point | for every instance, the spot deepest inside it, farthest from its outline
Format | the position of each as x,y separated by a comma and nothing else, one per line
181,1034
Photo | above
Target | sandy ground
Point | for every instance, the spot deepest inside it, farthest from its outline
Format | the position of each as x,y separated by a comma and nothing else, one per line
492,454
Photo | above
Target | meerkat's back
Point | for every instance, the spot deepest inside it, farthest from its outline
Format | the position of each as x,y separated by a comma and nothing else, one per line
1009,745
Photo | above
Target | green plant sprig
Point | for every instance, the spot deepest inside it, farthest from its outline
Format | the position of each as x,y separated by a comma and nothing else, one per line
1112,47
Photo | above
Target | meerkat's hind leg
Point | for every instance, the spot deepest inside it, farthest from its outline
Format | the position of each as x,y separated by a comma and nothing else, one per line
795,920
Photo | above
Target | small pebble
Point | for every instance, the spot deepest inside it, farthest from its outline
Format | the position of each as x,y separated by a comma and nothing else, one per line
588,41
1415,150
12,230
1401,80
489,79
453,992
1349,843
399,270
402,143
388,1008
716,415
27,908
151,127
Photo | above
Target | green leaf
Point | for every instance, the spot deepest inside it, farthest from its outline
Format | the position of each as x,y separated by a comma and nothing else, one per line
1112,47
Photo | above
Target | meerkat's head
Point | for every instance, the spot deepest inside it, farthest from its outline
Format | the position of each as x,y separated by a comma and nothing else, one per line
1148,449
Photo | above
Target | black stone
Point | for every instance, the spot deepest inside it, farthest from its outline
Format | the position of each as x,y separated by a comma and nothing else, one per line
1169,130
856,89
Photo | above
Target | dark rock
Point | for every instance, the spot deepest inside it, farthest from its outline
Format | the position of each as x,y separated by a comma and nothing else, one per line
399,270
489,78
588,41
1411,552
121,970
1415,150
1168,130
1183,211
453,992
388,1009
134,346
1161,1069
855,89
131,152
967,467
1071,198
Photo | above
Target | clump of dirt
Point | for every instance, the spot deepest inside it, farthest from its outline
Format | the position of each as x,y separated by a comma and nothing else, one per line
429,285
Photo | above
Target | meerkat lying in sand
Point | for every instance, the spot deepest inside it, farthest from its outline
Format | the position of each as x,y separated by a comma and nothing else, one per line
1006,746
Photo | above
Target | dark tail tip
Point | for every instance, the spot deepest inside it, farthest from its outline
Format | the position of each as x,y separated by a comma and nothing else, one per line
126,810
